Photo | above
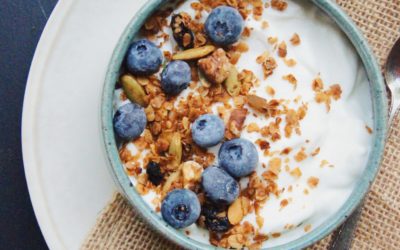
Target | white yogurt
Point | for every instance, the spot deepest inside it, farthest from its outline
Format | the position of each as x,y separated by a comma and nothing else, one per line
340,133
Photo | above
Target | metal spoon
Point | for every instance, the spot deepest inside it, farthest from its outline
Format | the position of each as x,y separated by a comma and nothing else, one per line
392,75
344,235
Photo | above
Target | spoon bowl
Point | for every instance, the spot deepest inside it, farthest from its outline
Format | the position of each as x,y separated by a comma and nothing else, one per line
392,75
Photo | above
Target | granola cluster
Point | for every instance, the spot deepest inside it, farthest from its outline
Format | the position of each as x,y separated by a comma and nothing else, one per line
217,82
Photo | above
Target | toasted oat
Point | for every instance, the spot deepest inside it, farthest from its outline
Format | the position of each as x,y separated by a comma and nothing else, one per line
295,40
325,96
313,182
307,228
316,152
275,165
280,5
270,90
291,79
272,39
300,156
215,67
264,25
317,84
269,65
282,49
246,32
259,221
284,203
369,129
290,62
253,127
324,163
296,173
286,151
276,235
240,47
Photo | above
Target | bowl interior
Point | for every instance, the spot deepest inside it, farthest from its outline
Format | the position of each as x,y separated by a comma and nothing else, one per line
379,108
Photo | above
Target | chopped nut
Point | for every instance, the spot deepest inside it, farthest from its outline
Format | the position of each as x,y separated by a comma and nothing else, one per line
191,172
307,228
216,67
313,182
295,40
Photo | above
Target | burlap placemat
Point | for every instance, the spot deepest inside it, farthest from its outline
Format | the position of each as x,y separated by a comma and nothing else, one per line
119,227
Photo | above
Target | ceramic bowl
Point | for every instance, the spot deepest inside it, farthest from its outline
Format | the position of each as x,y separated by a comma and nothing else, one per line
380,112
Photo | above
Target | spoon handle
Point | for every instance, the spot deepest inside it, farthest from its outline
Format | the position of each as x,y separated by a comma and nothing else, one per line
343,237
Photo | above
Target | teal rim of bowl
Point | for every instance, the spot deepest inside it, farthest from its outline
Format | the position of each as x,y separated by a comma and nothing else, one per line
379,107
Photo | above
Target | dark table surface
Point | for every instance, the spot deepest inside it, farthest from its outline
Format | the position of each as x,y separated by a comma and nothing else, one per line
21,23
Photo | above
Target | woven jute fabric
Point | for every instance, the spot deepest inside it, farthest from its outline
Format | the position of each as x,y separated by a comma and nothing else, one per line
119,227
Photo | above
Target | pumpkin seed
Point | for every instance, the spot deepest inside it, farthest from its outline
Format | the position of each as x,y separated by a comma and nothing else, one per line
175,149
133,90
195,53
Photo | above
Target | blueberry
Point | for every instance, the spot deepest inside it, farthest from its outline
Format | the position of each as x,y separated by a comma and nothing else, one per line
143,58
129,121
181,32
215,219
224,25
154,173
175,77
219,186
180,208
238,157
208,130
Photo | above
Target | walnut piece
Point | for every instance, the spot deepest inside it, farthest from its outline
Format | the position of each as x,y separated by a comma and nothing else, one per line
215,67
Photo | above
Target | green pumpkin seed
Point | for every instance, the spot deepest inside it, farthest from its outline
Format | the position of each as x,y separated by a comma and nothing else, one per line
195,53
133,90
